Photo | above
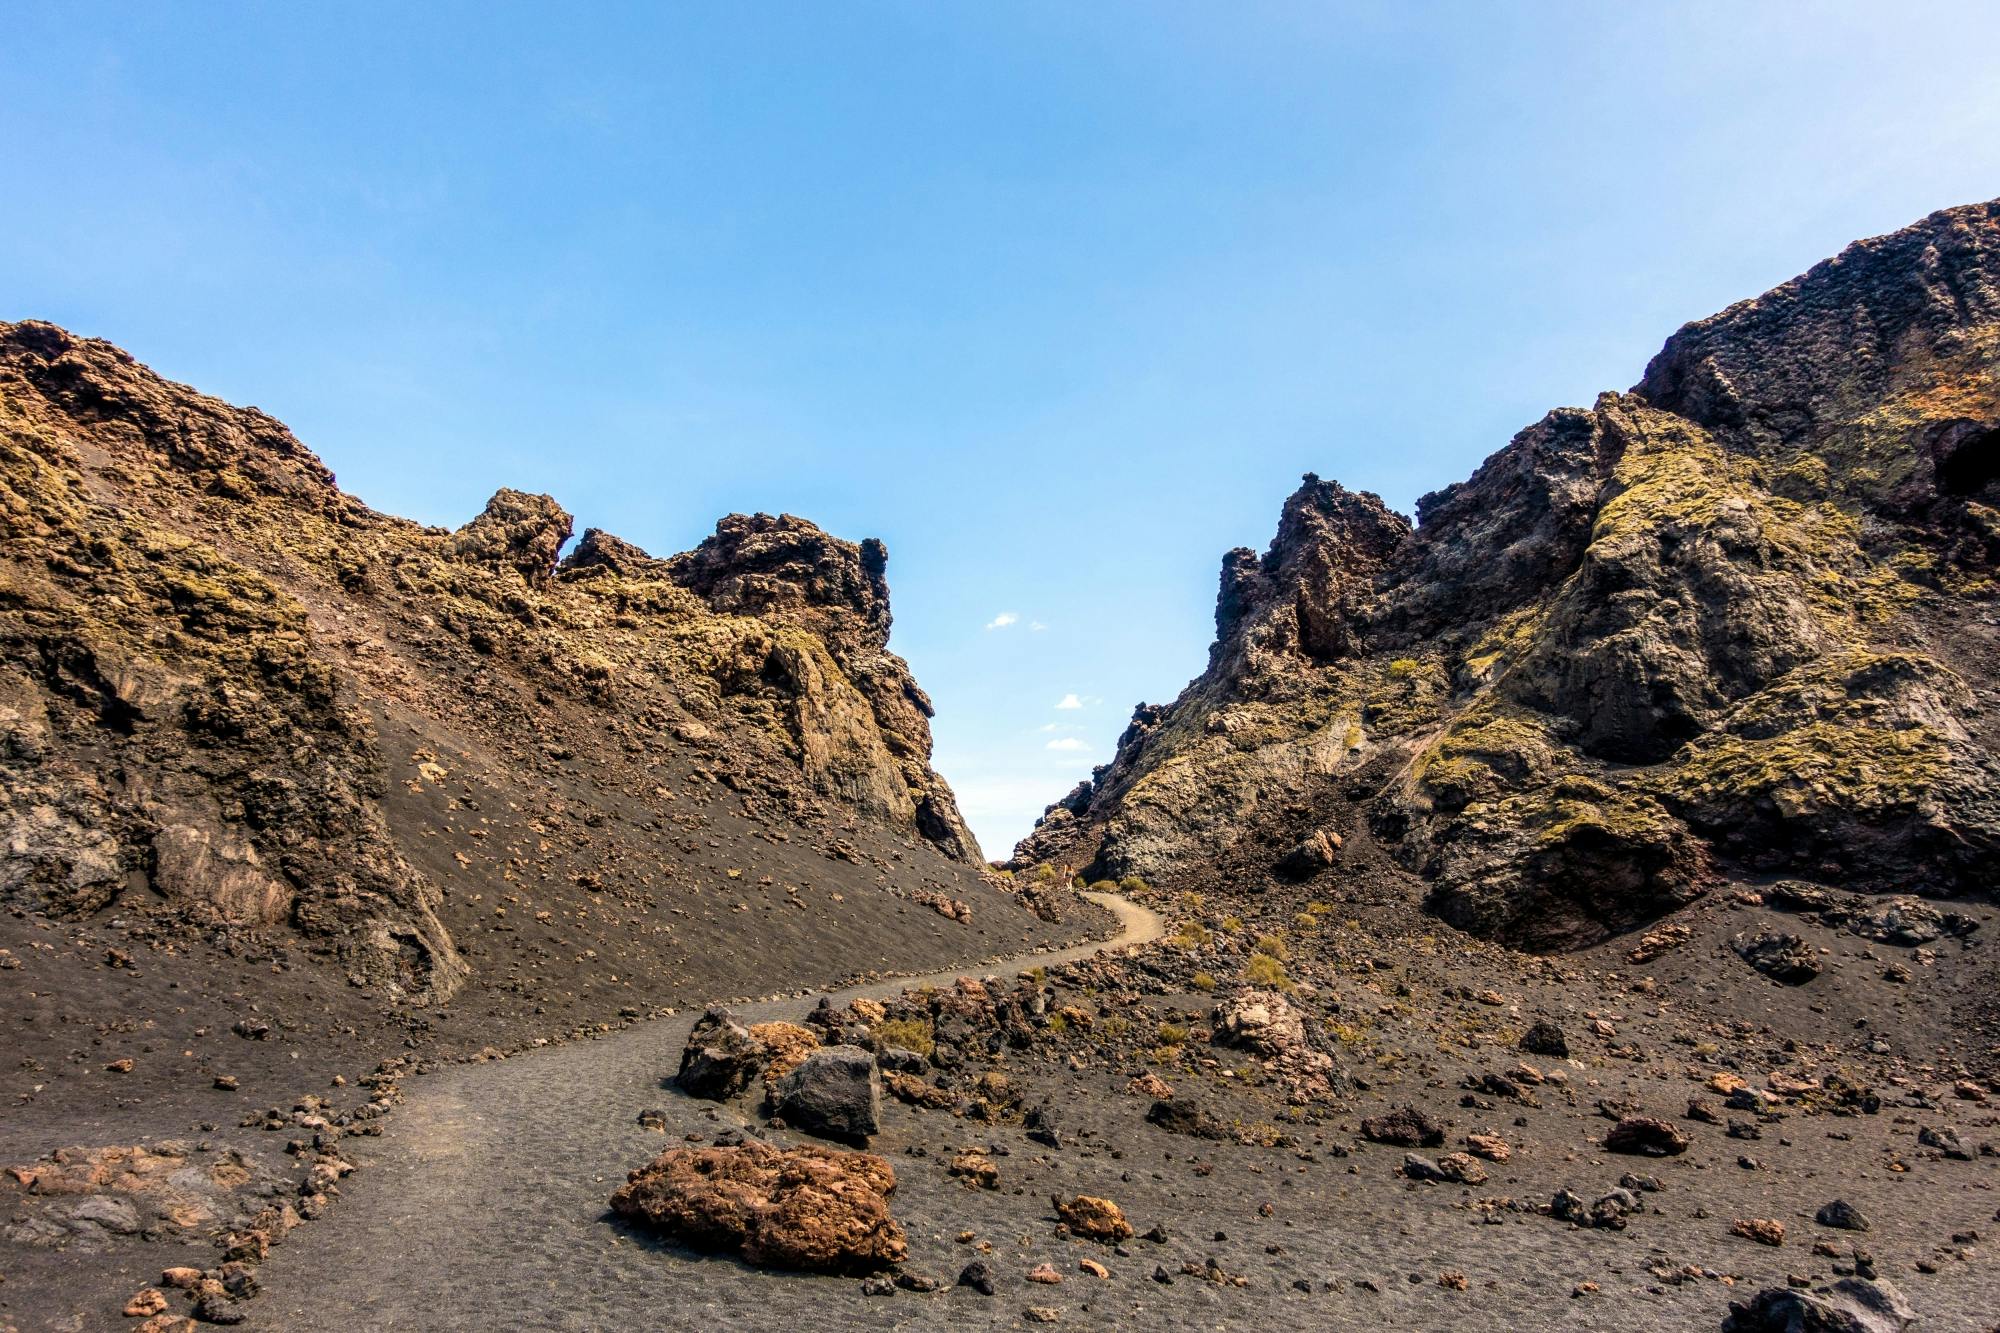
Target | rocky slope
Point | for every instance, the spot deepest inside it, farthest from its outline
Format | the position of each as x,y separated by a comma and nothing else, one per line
258,738
1738,620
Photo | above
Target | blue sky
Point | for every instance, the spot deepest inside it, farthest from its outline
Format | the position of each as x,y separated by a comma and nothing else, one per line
1058,299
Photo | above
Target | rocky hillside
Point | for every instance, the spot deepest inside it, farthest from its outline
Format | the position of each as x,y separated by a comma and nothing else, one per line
1738,620
257,737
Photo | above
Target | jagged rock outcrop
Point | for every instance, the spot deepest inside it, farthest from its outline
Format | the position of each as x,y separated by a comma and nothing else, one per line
1738,618
202,640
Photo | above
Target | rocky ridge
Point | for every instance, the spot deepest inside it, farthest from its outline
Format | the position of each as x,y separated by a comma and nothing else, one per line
189,679
1736,621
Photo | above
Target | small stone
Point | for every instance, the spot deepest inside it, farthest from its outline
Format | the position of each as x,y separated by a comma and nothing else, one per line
1763,1230
1841,1215
1092,1267
1645,1136
1044,1273
146,1301
977,1168
1041,1314
978,1275
1093,1218
1405,1127
1545,1038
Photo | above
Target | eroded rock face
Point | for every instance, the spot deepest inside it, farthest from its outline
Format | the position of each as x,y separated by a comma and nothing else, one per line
517,531
1726,621
802,1208
203,642
786,572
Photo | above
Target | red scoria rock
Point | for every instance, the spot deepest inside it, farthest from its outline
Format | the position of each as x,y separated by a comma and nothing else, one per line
807,1207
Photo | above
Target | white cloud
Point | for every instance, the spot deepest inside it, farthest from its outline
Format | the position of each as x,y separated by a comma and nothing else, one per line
1003,620
1069,701
1067,743
1037,626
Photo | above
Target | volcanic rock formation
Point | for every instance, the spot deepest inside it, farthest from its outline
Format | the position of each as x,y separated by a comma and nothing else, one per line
1738,618
213,663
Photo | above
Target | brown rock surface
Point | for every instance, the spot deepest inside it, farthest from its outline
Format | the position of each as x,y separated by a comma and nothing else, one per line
1094,1218
805,1208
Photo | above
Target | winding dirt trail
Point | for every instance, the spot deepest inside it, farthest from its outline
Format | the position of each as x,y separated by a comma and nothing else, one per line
482,1205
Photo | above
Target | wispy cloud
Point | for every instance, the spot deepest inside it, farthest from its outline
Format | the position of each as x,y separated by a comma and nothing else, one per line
1003,620
1067,743
1069,701
1037,626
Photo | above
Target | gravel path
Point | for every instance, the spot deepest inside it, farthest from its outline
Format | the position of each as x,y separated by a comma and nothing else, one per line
483,1203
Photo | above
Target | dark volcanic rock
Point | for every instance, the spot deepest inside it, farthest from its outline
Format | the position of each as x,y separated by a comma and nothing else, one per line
721,1058
836,1093
1404,1127
1545,1038
1181,1116
1671,635
1851,1305
1318,852
265,709
1785,958
1645,1136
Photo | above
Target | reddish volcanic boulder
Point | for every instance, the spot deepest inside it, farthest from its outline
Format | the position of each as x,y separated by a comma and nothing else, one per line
806,1208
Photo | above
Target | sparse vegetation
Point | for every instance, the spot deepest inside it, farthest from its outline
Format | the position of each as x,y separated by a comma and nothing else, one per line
1264,970
909,1034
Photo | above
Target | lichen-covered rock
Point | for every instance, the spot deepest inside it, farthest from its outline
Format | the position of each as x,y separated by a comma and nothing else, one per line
805,1208
1564,865
249,709
786,572
518,532
1728,621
